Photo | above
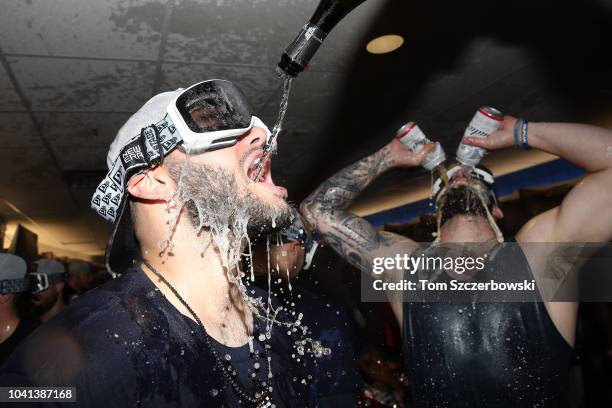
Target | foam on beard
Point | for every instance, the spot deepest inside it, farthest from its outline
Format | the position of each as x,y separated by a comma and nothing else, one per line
225,215
466,199
222,213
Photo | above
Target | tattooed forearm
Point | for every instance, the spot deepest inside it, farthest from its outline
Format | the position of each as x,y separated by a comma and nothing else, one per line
353,238
339,191
326,209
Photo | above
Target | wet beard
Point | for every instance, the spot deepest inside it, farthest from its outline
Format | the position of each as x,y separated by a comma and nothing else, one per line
215,203
461,200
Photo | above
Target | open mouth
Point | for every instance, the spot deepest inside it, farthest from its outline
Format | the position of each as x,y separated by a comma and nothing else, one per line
265,175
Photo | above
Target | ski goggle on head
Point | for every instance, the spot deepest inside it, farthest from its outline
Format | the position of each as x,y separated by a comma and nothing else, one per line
212,115
48,272
479,172
207,116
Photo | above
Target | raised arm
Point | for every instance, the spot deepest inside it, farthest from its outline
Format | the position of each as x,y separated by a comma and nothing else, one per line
585,215
351,236
354,238
325,209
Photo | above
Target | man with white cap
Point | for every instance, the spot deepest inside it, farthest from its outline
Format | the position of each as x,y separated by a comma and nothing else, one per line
179,327
13,282
48,300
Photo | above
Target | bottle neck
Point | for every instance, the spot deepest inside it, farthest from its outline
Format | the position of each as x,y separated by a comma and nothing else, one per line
302,49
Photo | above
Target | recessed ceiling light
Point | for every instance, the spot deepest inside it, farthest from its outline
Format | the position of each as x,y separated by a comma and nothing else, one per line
384,44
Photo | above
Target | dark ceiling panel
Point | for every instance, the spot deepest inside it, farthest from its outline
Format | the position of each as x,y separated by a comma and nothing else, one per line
52,84
78,28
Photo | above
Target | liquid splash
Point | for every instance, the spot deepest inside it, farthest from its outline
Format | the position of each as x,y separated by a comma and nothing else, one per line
271,145
221,223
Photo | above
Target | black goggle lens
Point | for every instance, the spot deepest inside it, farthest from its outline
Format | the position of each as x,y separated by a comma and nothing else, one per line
214,105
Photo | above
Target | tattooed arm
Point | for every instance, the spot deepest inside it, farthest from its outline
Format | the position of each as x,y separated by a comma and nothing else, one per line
354,238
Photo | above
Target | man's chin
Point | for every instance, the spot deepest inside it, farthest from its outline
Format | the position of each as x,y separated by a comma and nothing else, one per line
272,214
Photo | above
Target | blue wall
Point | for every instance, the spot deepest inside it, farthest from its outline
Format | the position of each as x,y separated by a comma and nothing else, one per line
552,172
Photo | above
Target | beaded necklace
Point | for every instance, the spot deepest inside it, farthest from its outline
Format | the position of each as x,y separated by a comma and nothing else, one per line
260,399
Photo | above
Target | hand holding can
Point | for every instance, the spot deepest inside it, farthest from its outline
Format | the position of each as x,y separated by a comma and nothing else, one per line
413,138
486,121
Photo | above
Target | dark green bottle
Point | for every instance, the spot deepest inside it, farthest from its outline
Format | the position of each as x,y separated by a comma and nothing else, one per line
302,49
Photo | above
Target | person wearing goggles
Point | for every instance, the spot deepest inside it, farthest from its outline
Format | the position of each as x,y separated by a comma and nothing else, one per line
48,281
471,353
14,284
177,327
291,250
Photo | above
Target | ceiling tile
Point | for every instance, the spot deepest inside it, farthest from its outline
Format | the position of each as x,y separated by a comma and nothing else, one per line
216,31
83,85
259,85
105,28
17,131
74,128
9,99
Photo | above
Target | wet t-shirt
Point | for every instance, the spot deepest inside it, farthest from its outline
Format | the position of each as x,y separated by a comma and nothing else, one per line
474,353
124,345
335,381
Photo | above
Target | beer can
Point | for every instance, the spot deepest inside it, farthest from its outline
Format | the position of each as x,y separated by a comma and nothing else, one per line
485,121
414,139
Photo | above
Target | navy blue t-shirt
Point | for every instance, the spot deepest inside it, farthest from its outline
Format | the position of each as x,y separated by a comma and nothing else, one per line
124,345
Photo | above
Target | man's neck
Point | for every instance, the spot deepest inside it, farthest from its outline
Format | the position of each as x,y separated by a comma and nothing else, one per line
200,279
466,228
9,320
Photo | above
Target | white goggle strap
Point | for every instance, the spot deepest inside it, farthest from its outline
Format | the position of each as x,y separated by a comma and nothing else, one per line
140,153
482,175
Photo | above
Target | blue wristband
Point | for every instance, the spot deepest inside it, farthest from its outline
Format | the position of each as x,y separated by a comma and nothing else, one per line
524,140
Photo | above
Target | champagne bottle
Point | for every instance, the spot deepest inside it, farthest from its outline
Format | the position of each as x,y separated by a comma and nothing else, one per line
302,49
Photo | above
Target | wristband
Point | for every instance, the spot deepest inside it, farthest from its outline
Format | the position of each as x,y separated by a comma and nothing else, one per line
524,140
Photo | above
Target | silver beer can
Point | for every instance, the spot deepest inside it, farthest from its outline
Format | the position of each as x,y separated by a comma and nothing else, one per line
414,139
486,121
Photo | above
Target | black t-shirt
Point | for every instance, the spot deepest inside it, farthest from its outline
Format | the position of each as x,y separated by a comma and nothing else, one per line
124,345
336,379
482,351
25,327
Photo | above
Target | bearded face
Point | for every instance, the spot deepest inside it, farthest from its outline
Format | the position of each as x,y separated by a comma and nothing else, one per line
214,197
46,299
463,199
